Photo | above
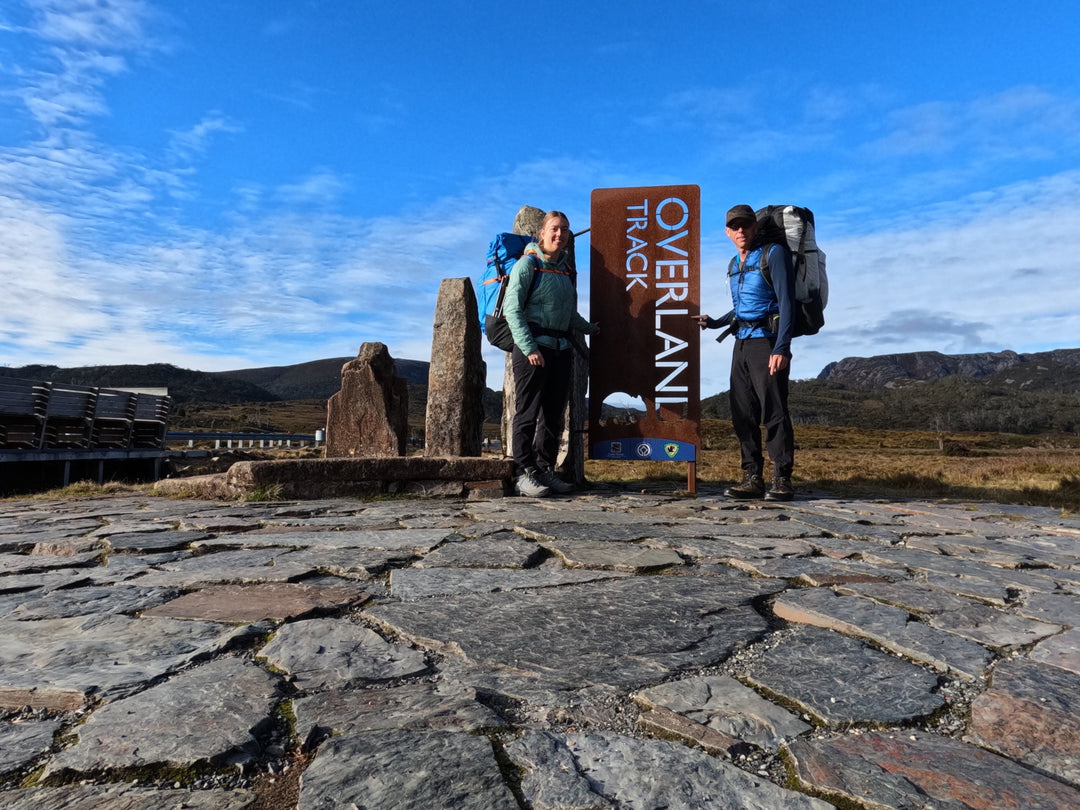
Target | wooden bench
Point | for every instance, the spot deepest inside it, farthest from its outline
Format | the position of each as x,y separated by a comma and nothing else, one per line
45,416
150,420
114,418
23,405
69,415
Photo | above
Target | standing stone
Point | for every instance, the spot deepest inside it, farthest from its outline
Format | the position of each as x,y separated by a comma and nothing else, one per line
369,416
571,462
527,222
506,424
457,375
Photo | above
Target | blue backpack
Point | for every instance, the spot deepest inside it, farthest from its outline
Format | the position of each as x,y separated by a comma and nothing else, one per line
504,250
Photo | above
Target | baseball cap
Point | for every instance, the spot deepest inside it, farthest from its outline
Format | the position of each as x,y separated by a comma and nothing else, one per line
740,212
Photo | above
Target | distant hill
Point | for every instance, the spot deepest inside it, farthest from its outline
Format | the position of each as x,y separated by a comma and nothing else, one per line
1054,370
184,385
318,379
993,391
315,380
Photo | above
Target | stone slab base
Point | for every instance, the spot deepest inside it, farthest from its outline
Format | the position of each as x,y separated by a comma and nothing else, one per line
315,478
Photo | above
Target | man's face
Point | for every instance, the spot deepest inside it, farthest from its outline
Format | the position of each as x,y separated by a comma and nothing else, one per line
741,232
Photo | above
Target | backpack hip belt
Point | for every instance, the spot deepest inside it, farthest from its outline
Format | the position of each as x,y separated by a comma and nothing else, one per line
543,331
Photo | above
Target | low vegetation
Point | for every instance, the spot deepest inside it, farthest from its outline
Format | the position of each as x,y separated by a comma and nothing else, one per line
1005,468
1009,431
1041,470
955,403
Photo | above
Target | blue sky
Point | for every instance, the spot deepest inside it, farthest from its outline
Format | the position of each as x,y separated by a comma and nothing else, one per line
221,184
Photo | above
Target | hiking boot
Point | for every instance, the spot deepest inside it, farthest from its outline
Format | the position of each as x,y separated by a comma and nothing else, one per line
528,485
551,480
780,490
752,486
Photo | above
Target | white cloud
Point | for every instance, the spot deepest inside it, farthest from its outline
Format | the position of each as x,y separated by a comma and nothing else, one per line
989,272
1022,123
98,272
193,142
321,187
106,24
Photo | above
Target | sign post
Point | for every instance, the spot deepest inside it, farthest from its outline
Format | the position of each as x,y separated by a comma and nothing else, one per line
645,286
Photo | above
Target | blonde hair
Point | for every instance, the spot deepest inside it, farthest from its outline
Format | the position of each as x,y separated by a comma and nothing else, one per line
550,215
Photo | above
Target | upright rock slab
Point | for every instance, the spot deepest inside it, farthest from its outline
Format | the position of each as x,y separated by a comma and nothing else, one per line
527,222
457,374
369,416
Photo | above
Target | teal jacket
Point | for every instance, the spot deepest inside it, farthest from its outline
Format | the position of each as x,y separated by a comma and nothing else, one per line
552,303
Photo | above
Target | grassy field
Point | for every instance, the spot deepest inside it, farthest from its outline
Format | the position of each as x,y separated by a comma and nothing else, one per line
1004,468
999,467
1042,470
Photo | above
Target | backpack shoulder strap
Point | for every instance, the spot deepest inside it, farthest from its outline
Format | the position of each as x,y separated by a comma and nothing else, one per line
504,282
534,260
763,264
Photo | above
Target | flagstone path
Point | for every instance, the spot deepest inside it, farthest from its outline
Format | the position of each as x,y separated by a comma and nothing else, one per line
604,650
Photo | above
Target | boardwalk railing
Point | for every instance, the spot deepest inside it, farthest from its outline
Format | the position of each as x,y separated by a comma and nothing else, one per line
243,438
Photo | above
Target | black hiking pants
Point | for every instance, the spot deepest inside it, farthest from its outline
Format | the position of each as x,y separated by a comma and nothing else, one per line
540,394
759,398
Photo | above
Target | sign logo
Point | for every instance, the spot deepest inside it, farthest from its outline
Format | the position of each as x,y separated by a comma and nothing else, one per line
644,450
671,449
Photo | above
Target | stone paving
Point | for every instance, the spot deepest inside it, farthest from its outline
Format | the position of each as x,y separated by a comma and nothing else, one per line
607,650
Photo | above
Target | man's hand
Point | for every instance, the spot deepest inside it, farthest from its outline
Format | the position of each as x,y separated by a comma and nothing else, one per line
536,359
702,320
777,362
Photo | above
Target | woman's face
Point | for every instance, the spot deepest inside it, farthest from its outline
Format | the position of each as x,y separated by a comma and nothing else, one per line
554,236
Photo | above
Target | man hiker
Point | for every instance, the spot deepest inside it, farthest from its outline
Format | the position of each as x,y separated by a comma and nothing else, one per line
761,321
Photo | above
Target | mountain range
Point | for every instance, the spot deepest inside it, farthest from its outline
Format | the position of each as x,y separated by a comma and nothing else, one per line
318,379
1058,369
1000,391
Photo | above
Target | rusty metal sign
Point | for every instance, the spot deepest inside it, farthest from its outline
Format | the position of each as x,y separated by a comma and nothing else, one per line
645,286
